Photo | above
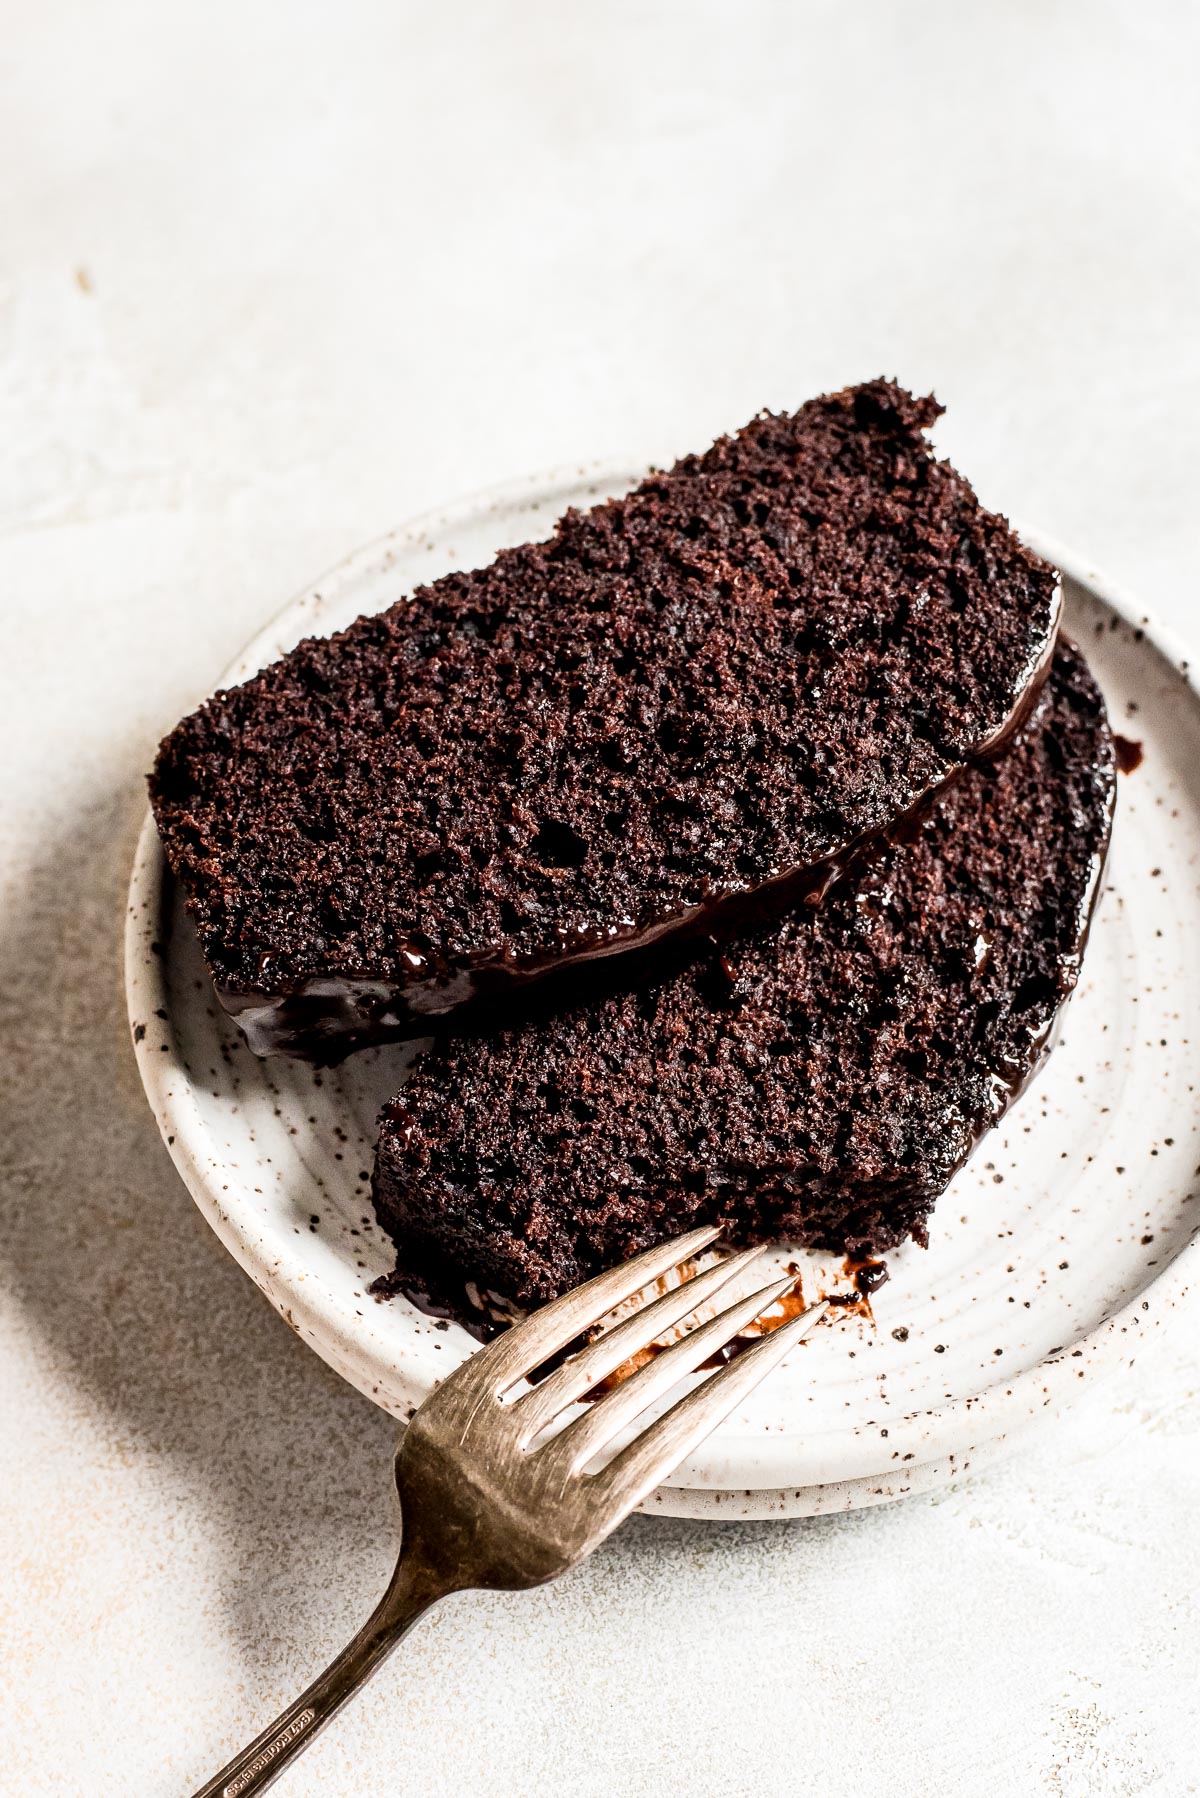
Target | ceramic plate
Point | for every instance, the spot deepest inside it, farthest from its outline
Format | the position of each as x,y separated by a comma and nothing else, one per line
1065,1240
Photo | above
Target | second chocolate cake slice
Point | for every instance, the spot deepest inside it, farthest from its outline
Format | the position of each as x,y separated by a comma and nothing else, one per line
819,1080
721,681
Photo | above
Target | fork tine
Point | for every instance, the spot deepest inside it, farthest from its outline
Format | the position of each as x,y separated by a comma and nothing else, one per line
637,1469
575,1446
606,1354
519,1350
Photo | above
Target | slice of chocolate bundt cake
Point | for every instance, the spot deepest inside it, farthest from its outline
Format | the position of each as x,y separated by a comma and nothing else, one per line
819,1080
729,676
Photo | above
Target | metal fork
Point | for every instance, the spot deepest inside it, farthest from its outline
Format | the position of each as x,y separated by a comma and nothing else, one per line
492,1496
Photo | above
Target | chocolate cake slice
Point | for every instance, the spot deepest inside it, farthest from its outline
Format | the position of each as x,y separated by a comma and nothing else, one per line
818,1081
726,678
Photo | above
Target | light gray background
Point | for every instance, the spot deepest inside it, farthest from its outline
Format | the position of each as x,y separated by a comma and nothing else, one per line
272,278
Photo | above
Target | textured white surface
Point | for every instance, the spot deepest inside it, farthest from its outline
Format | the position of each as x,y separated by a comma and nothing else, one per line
270,279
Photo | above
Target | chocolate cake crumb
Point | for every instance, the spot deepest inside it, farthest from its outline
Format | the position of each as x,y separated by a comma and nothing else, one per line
731,675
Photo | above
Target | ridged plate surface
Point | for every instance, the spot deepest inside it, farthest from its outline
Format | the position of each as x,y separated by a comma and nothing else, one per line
1064,1241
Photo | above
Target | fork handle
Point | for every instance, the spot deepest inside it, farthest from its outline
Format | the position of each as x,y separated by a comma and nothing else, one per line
411,1591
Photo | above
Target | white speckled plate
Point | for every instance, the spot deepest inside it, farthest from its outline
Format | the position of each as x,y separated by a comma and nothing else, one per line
1066,1239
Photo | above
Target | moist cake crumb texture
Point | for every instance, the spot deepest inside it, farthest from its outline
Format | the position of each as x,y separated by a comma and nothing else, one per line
737,671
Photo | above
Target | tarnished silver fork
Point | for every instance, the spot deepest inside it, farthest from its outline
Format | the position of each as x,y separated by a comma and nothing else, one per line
493,1496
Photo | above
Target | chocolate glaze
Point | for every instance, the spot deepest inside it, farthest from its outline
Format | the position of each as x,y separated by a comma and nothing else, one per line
1129,752
868,1275
440,1291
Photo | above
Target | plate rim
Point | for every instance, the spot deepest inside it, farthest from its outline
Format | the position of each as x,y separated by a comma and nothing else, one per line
746,1461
